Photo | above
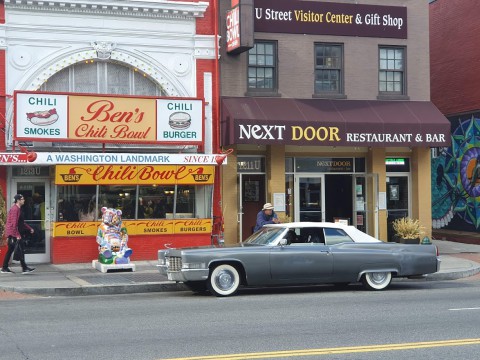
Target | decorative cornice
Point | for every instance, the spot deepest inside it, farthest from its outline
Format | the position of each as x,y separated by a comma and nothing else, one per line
135,8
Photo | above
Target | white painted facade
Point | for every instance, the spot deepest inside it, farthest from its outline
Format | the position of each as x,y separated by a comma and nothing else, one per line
156,37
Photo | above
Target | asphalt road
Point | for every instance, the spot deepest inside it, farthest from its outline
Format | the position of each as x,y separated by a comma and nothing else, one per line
412,320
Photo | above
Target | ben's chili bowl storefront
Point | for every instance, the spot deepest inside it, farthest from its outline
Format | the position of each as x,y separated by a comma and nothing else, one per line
361,162
166,199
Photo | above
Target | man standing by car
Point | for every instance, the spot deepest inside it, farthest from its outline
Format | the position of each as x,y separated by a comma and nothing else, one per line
266,216
13,228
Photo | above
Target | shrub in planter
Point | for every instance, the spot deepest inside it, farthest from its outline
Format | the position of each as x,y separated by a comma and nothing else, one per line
407,230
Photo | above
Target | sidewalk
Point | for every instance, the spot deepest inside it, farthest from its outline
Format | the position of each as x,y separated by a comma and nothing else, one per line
459,260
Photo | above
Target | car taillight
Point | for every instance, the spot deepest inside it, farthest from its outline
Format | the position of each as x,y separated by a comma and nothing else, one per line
436,248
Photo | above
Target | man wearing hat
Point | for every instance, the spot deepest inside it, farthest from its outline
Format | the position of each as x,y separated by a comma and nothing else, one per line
266,216
14,225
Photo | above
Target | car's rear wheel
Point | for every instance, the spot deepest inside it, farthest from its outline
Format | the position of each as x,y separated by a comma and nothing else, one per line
224,280
377,280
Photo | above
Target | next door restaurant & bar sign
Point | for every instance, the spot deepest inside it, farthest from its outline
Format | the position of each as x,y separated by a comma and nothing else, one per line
106,119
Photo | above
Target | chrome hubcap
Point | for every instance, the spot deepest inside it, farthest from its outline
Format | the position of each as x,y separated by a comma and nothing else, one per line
224,280
378,278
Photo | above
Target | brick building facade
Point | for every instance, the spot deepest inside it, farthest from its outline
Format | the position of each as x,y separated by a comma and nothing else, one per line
329,114
455,75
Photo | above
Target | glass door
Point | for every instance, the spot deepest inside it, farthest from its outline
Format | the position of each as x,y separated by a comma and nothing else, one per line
366,203
252,196
311,200
36,212
397,200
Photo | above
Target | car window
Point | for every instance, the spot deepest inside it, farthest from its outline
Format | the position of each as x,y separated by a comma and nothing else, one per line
336,236
264,236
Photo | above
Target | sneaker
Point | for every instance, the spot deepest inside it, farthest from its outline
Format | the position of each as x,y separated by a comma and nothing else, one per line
6,271
28,270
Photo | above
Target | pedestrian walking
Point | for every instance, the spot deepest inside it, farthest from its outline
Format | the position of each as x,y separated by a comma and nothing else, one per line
13,229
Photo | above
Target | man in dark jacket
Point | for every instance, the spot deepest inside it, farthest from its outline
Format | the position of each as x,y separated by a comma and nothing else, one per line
13,233
266,216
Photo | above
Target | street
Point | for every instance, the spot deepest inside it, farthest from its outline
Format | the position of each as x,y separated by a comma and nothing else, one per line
257,323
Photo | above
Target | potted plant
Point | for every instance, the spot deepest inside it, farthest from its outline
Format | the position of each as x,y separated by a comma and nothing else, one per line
407,230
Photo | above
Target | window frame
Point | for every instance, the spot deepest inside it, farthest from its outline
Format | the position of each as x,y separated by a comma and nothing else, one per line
340,93
256,91
403,71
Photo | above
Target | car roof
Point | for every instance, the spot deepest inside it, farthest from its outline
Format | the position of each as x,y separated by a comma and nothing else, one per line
302,224
352,231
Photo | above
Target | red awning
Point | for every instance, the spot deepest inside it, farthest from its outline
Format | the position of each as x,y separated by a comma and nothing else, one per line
333,122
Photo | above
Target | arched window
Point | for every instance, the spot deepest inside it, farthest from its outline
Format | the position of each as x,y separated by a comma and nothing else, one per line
102,78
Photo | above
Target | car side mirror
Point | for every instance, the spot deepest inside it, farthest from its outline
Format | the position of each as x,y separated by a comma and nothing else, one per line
283,242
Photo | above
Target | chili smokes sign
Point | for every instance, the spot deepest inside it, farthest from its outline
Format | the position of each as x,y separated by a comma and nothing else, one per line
107,119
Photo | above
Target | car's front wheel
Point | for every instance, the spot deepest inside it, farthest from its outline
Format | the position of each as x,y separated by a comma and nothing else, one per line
377,280
224,280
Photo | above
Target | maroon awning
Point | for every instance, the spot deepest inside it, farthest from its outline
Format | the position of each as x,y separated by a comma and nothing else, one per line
247,120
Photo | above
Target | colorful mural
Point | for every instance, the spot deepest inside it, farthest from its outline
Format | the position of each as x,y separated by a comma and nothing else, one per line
456,179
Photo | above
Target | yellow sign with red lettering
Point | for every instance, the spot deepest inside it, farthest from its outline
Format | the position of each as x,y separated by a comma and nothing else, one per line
137,227
111,119
134,174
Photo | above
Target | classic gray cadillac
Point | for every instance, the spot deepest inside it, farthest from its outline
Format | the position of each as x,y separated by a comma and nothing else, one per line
298,254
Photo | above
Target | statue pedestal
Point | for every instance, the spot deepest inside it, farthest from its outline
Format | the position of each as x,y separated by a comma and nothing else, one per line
112,267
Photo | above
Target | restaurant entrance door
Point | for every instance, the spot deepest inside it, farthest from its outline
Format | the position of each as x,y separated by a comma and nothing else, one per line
37,214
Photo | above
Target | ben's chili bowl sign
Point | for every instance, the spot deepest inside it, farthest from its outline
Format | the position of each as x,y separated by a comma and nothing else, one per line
93,118
133,174
111,119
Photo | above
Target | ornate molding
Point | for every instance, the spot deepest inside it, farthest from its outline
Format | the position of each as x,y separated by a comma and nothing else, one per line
132,8
159,77
103,48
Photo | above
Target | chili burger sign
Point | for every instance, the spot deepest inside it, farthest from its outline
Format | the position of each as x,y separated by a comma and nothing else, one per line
108,119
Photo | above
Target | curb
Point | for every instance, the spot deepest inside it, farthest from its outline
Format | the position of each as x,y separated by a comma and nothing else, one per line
453,275
98,289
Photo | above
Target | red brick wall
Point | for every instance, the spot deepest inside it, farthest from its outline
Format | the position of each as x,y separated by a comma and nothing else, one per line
3,172
2,88
455,55
205,24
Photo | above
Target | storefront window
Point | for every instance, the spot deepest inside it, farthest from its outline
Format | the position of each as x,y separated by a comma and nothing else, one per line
79,203
120,197
76,203
155,202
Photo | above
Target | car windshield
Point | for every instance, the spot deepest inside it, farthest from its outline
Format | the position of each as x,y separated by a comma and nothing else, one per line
264,236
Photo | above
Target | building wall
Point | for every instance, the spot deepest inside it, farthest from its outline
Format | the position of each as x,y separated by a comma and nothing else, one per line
454,55
296,59
296,80
171,42
455,75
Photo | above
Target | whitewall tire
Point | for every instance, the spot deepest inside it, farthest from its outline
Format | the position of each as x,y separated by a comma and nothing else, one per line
377,280
224,280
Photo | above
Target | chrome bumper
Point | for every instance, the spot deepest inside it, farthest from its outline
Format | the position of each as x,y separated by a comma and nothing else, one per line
188,275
